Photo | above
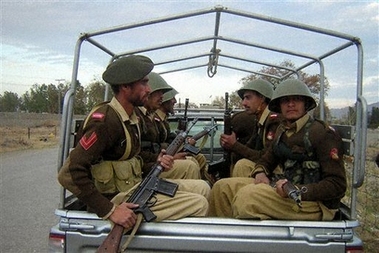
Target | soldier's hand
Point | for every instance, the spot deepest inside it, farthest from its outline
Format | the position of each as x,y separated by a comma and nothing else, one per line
227,141
191,141
180,156
165,160
279,187
124,215
261,178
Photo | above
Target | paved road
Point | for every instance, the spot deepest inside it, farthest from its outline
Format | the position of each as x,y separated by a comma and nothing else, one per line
29,196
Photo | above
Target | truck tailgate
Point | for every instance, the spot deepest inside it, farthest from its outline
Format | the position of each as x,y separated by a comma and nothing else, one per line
85,232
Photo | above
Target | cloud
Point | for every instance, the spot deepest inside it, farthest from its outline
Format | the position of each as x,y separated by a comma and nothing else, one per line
38,40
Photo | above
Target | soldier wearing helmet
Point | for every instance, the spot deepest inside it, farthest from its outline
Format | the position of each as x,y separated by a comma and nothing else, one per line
167,108
309,153
154,137
255,95
104,166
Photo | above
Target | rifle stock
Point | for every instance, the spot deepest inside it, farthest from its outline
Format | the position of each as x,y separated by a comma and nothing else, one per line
146,190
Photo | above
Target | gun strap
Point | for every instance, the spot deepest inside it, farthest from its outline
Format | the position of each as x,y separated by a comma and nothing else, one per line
203,141
135,228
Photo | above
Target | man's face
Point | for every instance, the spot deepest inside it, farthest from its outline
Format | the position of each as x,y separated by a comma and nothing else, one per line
252,101
154,100
168,106
292,107
140,91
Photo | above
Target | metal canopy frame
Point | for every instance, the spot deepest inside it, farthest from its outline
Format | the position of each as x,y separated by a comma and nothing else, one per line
210,61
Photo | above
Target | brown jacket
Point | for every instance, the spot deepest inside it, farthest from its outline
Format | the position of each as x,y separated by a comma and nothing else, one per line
103,138
326,148
262,135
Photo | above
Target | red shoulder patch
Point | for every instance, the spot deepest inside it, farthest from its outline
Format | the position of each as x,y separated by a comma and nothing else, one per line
86,143
273,116
334,154
270,135
98,115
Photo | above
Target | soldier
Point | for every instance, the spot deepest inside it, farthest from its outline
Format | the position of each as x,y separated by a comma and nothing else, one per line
153,138
105,161
167,108
310,154
255,97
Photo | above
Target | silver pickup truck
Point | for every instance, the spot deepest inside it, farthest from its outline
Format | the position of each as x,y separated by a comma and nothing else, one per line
80,231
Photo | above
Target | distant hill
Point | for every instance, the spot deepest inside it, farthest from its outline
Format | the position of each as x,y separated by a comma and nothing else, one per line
340,112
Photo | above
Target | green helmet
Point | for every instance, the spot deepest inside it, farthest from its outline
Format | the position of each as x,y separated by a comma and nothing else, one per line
291,87
261,86
156,82
169,95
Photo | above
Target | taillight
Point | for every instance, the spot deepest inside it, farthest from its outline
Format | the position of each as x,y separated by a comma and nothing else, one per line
354,249
56,243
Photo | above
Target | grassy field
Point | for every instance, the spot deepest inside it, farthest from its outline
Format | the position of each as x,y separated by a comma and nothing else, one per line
26,130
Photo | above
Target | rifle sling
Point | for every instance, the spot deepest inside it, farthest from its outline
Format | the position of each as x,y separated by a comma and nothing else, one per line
131,236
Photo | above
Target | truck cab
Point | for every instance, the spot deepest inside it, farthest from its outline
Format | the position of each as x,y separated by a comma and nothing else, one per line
81,231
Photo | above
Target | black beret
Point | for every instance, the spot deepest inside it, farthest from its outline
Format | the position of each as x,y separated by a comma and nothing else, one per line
128,69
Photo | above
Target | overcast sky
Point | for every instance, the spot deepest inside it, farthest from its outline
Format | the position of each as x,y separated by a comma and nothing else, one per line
38,40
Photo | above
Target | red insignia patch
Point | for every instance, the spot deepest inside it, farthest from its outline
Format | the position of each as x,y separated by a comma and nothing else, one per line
270,136
97,115
86,143
334,154
273,116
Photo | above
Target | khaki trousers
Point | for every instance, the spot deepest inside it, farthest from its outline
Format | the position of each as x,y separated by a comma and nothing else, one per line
243,168
191,199
241,198
183,169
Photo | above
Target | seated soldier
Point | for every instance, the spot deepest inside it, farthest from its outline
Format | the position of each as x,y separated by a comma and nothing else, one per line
310,155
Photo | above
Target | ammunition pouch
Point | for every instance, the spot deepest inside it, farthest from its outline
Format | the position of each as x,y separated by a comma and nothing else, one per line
112,177
305,172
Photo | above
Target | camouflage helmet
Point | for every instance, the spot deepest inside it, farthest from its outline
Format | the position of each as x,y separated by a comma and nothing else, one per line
291,87
156,82
169,95
128,69
261,86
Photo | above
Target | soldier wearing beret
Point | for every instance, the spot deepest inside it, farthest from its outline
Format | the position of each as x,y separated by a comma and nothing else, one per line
255,95
310,155
105,163
154,136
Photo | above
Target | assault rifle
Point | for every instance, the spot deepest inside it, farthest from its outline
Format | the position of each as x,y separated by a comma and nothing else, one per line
182,123
142,195
290,189
194,150
221,168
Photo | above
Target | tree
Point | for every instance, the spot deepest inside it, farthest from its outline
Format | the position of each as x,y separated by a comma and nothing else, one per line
374,118
95,93
9,102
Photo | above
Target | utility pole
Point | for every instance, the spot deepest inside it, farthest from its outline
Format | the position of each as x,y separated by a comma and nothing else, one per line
59,95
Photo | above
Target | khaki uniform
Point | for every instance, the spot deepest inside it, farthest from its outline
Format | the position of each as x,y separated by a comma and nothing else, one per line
152,140
318,152
168,136
105,162
262,135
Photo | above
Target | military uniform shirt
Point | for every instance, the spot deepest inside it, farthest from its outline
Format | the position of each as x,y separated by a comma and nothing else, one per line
103,138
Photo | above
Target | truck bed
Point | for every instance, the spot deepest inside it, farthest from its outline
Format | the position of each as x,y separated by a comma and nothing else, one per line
85,231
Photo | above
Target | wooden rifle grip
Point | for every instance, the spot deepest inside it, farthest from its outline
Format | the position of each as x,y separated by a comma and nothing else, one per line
111,244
